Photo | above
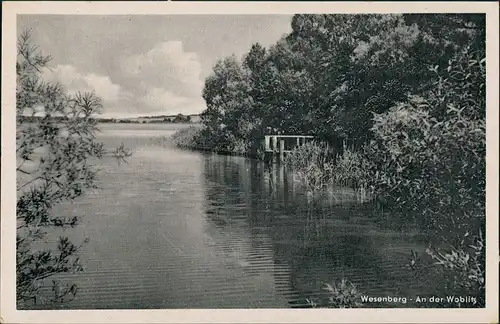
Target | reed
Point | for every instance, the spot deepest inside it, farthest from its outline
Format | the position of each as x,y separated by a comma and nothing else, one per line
343,294
316,166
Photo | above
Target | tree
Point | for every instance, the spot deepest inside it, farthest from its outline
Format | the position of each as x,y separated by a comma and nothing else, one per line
331,73
394,62
227,118
53,148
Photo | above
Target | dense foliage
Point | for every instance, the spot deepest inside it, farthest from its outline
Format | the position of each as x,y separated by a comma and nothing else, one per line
428,159
54,155
434,147
399,103
329,75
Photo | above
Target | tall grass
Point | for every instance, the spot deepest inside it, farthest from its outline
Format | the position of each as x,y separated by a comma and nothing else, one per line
313,152
351,169
316,166
312,165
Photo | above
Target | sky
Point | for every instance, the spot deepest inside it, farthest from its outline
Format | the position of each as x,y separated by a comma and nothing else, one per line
145,65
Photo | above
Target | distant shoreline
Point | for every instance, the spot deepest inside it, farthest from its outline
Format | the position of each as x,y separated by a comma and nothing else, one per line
162,119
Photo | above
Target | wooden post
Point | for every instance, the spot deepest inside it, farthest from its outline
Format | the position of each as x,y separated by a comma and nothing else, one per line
266,143
281,181
282,149
275,148
263,148
298,141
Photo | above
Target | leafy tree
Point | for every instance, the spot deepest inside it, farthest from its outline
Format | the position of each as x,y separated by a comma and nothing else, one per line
331,73
395,62
54,152
351,66
255,63
227,117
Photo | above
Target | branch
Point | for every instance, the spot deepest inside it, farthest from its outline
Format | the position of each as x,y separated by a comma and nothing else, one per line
27,59
29,182
24,172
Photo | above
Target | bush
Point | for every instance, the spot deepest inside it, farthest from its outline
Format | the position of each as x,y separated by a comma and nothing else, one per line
431,161
315,166
343,295
459,269
311,152
196,138
186,137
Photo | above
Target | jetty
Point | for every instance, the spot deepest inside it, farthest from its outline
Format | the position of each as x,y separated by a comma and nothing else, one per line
276,146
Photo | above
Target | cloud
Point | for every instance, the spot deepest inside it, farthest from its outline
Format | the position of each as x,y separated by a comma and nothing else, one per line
167,66
167,79
163,80
74,81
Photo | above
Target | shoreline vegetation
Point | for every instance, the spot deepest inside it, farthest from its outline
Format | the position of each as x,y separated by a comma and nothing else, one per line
397,104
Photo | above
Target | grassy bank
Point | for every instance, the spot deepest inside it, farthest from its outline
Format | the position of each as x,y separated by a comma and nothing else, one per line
197,138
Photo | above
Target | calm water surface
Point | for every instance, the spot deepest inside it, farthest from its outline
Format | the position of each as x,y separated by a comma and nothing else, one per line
181,229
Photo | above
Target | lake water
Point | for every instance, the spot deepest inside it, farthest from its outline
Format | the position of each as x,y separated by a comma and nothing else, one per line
182,229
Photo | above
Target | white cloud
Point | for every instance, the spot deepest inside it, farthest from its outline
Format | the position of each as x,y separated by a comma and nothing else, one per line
167,66
163,80
74,81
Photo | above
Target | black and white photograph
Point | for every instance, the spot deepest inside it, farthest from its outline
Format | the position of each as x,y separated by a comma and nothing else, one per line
251,160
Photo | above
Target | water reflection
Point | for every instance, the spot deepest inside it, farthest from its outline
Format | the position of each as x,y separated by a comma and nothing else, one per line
323,241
